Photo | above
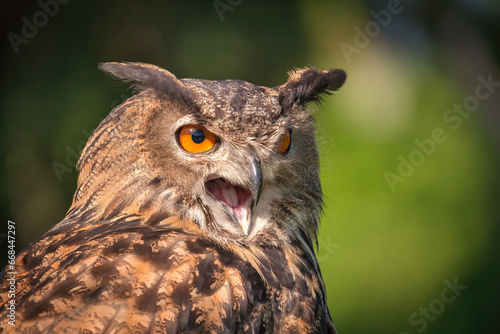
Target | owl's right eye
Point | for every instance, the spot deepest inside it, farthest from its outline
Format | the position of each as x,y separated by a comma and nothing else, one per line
196,139
285,142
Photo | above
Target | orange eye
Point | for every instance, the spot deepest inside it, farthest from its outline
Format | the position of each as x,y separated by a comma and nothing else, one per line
285,141
196,139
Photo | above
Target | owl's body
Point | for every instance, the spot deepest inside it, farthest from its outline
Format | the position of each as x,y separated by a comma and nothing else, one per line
196,210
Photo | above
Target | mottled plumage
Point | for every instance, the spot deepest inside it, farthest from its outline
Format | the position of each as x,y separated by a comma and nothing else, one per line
162,240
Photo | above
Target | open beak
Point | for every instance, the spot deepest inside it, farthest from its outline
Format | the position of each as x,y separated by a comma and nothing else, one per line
239,200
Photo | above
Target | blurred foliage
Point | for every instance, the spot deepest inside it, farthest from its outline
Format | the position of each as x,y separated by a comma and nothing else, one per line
385,253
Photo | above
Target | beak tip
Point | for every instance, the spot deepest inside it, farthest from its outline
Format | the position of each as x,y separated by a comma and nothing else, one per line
245,226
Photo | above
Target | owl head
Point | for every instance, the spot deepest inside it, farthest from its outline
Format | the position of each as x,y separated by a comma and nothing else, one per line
232,160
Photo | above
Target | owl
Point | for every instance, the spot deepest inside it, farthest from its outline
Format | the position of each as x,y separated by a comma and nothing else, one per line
196,211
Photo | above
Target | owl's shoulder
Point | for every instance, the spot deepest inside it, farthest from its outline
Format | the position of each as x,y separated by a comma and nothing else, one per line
136,277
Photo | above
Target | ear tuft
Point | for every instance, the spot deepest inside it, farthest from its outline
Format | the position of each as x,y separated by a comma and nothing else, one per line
306,85
144,76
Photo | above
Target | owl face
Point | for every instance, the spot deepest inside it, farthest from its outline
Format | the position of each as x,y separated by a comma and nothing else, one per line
245,155
239,160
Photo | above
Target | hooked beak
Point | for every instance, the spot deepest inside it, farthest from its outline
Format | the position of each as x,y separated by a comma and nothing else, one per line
239,200
256,180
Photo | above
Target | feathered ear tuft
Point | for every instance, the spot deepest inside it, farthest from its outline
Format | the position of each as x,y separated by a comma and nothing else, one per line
144,76
306,85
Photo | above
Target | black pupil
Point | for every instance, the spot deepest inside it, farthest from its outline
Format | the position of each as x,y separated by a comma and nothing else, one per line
198,136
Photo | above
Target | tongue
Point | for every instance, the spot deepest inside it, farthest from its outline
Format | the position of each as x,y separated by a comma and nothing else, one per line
234,197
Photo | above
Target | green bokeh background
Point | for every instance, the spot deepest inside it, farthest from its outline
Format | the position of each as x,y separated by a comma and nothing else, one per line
385,251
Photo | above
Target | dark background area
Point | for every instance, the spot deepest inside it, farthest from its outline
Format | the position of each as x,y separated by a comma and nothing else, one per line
389,245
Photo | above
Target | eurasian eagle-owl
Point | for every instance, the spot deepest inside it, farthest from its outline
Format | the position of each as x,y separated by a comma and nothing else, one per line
196,210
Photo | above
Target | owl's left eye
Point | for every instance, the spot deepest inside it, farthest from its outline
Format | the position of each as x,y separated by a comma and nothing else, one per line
196,139
285,142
